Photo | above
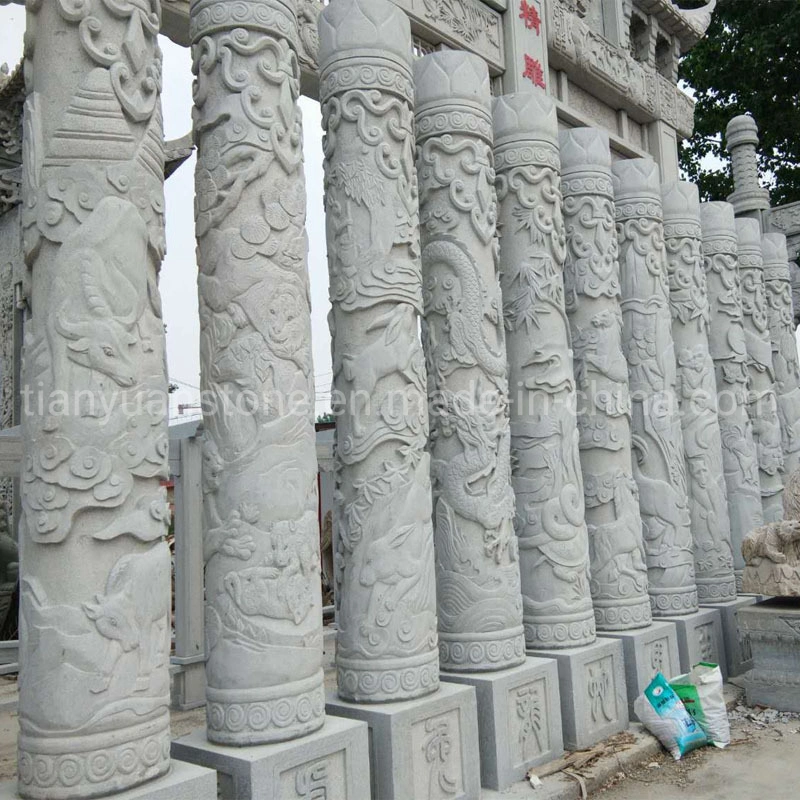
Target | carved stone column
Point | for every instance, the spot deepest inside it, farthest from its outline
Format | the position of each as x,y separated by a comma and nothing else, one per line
726,341
784,345
550,523
794,277
697,395
261,536
95,596
762,404
591,275
658,455
749,199
386,642
476,549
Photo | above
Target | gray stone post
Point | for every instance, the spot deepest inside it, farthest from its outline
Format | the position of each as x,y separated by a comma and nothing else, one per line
658,456
261,537
762,404
386,642
729,352
794,277
476,549
550,521
591,276
784,345
95,583
697,395
749,199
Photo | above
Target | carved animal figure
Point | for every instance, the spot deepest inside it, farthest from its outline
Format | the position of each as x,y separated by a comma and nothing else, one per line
134,612
463,302
773,542
104,292
395,351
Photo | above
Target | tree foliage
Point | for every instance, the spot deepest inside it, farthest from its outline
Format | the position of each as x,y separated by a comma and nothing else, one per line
747,62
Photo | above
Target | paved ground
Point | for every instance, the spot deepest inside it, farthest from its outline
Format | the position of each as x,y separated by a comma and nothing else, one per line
762,763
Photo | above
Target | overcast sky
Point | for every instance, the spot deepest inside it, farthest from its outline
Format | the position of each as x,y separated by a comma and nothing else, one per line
179,270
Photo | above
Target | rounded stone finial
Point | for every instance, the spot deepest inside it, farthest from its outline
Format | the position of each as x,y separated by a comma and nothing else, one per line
773,247
636,178
584,148
748,233
452,77
741,130
717,218
680,200
371,27
525,115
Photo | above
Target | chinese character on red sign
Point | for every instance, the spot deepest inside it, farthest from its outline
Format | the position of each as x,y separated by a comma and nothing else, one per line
530,16
534,72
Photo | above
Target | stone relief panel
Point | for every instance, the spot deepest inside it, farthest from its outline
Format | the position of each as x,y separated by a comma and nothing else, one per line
528,729
477,563
592,281
728,349
601,693
95,585
387,646
261,537
549,522
320,779
6,367
778,290
762,403
436,759
658,455
697,394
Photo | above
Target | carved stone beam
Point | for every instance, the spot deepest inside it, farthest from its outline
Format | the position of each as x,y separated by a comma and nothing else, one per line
762,404
591,277
658,456
697,395
94,690
476,547
726,340
386,596
550,522
260,529
784,346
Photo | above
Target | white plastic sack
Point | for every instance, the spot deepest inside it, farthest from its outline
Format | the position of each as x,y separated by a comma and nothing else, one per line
701,693
661,711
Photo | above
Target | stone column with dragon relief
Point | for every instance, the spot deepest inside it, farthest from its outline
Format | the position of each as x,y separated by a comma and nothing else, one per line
697,394
476,549
728,349
778,290
94,687
384,560
261,536
591,276
658,456
550,523
762,404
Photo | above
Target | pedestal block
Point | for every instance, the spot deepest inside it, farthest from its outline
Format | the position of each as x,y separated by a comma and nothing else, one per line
332,762
700,638
773,629
648,651
591,685
737,648
519,719
427,747
182,782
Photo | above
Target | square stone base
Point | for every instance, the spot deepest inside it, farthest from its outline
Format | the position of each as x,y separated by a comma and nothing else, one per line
332,761
591,684
773,628
519,719
737,650
423,748
700,639
182,782
648,651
